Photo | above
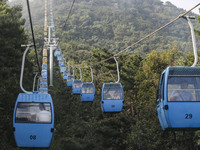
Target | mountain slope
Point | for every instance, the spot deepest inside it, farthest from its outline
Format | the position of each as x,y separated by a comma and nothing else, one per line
115,24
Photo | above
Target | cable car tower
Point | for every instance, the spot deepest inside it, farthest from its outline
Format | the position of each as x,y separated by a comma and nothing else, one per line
51,41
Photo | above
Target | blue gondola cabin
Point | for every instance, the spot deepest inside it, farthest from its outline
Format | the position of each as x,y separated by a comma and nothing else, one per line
33,120
87,92
70,80
112,97
76,87
178,99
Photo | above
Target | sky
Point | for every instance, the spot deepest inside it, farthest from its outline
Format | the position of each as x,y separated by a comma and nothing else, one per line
185,4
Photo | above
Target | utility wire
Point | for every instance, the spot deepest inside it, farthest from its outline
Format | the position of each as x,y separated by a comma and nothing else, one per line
29,12
142,39
69,13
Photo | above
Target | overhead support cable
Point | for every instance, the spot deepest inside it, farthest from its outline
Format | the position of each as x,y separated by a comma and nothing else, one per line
29,12
91,73
80,74
142,39
117,70
157,30
69,13
193,39
22,70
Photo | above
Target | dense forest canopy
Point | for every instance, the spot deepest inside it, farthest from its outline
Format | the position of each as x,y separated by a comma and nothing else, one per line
115,24
97,29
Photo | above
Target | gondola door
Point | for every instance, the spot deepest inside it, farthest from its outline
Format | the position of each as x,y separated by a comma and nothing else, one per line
161,107
183,112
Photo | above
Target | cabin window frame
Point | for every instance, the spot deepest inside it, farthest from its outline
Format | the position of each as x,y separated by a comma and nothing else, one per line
34,122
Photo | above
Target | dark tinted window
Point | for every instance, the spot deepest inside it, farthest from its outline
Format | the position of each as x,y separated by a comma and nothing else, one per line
33,112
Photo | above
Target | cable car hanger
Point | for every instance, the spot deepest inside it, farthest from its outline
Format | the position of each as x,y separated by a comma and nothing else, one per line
73,70
117,69
193,39
80,74
175,98
34,81
38,83
91,74
68,66
22,70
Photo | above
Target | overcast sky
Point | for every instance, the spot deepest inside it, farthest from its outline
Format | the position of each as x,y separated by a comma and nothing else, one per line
185,4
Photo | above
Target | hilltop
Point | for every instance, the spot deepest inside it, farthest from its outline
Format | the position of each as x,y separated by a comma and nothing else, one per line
114,24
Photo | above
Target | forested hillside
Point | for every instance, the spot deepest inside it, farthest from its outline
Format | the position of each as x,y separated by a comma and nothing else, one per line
12,36
96,30
114,24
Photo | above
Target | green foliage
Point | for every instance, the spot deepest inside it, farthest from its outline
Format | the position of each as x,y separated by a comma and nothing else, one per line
95,31
114,24
11,37
196,30
83,126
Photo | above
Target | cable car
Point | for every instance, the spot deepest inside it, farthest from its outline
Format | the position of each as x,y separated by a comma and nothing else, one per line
43,79
178,96
70,80
76,87
87,92
61,62
178,99
53,35
68,73
53,29
44,66
112,97
44,59
43,90
44,73
43,87
62,68
59,57
33,116
45,52
65,74
87,89
33,120
57,52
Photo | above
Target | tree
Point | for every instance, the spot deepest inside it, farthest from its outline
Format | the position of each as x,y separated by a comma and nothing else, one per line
197,31
12,35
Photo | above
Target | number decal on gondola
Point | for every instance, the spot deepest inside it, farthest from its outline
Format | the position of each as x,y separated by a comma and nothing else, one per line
188,116
33,137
